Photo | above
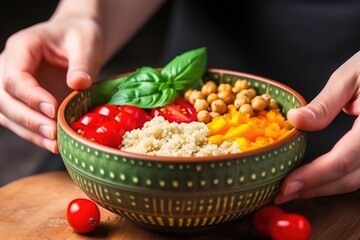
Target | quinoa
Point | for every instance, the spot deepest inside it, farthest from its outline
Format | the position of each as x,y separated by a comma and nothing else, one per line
162,138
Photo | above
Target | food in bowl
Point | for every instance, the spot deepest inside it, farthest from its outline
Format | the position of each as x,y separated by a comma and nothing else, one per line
162,138
182,194
236,118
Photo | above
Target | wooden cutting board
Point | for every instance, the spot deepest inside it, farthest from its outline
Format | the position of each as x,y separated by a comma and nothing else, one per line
35,208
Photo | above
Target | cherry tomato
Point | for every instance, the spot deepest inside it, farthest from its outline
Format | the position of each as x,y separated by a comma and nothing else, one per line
87,121
178,111
131,117
263,216
107,123
83,215
109,133
290,226
108,110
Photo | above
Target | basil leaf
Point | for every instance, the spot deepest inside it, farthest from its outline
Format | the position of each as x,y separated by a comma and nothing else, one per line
102,91
149,88
144,99
144,74
186,69
146,88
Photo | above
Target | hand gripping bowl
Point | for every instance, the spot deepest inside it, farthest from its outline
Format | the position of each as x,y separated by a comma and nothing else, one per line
181,194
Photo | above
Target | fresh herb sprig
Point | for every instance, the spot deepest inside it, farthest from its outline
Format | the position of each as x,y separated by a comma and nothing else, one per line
148,87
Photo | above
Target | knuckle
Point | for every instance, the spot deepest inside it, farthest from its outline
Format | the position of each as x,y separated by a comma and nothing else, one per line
321,109
15,40
346,165
21,38
29,123
27,97
8,82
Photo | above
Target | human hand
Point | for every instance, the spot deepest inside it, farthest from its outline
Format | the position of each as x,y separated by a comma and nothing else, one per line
38,67
337,171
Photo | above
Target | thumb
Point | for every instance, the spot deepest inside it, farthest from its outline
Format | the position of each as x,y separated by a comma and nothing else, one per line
336,95
83,63
312,117
319,113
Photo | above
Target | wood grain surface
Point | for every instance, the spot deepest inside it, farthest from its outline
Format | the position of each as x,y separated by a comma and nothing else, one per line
35,208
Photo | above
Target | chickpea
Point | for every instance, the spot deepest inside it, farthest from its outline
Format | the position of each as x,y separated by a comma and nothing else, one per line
273,104
252,93
208,88
226,96
212,97
236,90
247,109
224,87
258,103
187,94
240,101
195,95
218,106
230,99
201,104
244,92
240,85
214,114
267,98
204,116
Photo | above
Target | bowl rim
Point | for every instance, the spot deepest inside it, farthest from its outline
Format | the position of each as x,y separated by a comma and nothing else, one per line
183,159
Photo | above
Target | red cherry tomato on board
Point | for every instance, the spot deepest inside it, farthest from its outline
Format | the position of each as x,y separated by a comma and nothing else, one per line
178,111
263,216
83,215
290,226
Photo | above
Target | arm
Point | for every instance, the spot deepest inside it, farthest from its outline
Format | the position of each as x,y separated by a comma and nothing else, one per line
118,20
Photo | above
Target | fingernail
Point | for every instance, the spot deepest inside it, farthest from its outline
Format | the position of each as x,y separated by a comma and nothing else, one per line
280,199
47,132
48,109
293,187
80,74
85,80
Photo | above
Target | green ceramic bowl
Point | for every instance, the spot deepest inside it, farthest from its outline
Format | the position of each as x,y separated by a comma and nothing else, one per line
181,194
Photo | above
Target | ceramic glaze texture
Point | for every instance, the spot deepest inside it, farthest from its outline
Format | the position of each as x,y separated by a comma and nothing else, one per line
181,194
